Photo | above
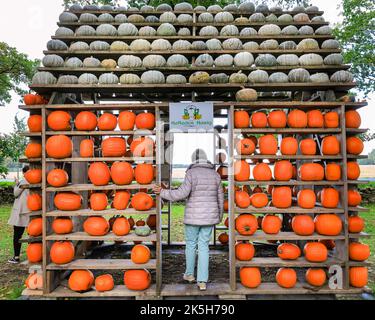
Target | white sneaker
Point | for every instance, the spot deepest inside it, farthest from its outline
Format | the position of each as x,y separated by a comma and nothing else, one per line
189,278
202,286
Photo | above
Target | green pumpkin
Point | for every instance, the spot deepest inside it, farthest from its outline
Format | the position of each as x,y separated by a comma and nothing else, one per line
142,231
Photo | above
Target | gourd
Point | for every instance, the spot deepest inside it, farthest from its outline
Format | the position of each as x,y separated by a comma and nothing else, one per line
79,46
154,61
342,76
299,75
206,17
136,18
199,77
88,18
208,31
247,32
183,6
85,31
265,60
330,44
140,45
214,8
241,20
168,17
177,60
251,46
306,30
129,78
334,59
224,60
108,78
287,60
319,77
142,231
323,30
258,76
147,31
301,17
223,17
271,18
105,17
246,95
289,30
163,7
257,17
181,45
67,17
91,62
152,77
269,30
232,44
198,45
109,64
278,77
247,6
166,29
204,60
88,78
121,18
219,78
270,44
243,59
238,77
285,18
119,46
129,61
99,46
43,78
310,59
182,32
56,45
308,44
67,79
53,60
106,30
64,32
176,79
288,45
147,8
229,30
213,44
161,45
185,18
263,8
127,29
152,19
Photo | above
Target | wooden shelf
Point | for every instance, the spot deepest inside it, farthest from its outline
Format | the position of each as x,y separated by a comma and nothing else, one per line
89,212
359,235
102,264
84,187
270,262
102,133
29,160
356,131
260,235
358,181
289,183
30,134
359,156
29,239
31,186
288,130
105,159
108,237
266,210
287,157
358,209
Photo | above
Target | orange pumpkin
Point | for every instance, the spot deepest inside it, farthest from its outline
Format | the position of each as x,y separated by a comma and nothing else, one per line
34,281
311,172
246,224
114,147
333,172
242,199
34,123
137,279
358,251
289,146
107,122
140,254
315,252
29,99
259,200
297,119
223,172
62,225
244,251
226,205
33,150
271,224
59,120
81,280
330,145
354,198
262,172
121,226
99,174
283,170
328,224
122,173
96,226
86,148
151,221
353,170
121,200
268,144
142,147
57,178
62,252
358,276
85,121
286,277
303,225
288,251
142,201
34,252
356,224
352,119
306,199
126,120
104,283
241,119
241,170
35,227
282,197
245,146
98,201
223,238
315,119
33,176
329,198
331,119
277,119
59,147
316,277
34,202
308,147
354,145
67,201
259,120
145,120
144,173
250,277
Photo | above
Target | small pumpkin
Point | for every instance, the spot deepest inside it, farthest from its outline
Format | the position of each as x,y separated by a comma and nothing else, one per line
358,276
86,148
34,123
306,199
315,252
137,279
250,277
311,172
140,254
121,226
126,120
242,199
286,277
67,201
107,122
59,120
328,224
358,251
96,226
244,251
289,146
142,201
333,172
288,251
246,224
59,147
62,225
308,146
282,197
268,144
33,150
145,120
329,198
57,178
144,173
104,283
99,173
315,119
353,170
259,200
283,170
34,281
34,202
262,172
121,200
297,119
33,176
331,119
352,119
354,198
142,147
259,120
35,227
113,147
355,224
245,146
303,225
277,119
223,238
241,119
85,121
330,145
142,231
98,201
34,252
316,277
354,145
81,280
271,224
241,170
62,252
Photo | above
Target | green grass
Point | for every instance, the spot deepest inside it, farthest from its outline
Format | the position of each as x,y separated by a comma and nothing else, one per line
6,233
370,184
6,183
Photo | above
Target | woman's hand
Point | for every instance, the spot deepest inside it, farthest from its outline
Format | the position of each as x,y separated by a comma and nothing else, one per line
157,189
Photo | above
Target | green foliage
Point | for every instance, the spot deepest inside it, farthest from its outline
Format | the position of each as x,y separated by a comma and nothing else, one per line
369,160
16,69
356,34
68,3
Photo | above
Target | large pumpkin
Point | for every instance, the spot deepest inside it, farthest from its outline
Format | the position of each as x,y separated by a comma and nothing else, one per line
121,200
353,170
98,201
245,146
62,225
104,283
242,199
67,201
329,198
59,120
358,277
330,145
297,119
277,119
288,251
306,198
33,150
354,198
244,251
328,224
57,178
121,226
259,200
262,172
122,173
142,201
303,225
34,202
145,121
142,147
259,120
96,226
114,147
144,173
315,119
311,172
246,224
283,170
316,277
35,227
140,254
282,197
352,119
81,280
286,277
331,119
271,224
354,145
289,146
137,279
308,147
33,176
99,174
268,144
86,148
355,224
62,252
332,172
85,121
250,277
126,120
241,119
59,147
34,123
241,170
358,251
315,252
107,122
34,252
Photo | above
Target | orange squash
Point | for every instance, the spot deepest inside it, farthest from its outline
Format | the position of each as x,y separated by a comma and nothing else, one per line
144,173
277,119
104,283
241,170
34,202
328,224
244,251
142,147
29,99
137,279
33,176
151,221
354,145
223,238
288,251
332,172
62,252
303,225
62,225
353,170
354,198
81,280
114,147
282,197
122,173
331,119
268,144
352,119
271,224
126,120
121,226
96,226
35,227
34,123
358,277
355,224
289,146
98,201
34,281
283,170
57,178
262,172
67,201
145,120
297,119
34,252
259,120
329,198
315,252
246,224
242,199
245,146
59,120
359,251
286,277
330,145
99,173
33,150
121,200
241,119
250,277
315,119
85,121
140,254
308,147
259,200
59,147
311,172
316,277
306,199
142,201
86,148
107,122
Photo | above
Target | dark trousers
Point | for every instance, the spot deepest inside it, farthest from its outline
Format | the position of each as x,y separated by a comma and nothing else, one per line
17,235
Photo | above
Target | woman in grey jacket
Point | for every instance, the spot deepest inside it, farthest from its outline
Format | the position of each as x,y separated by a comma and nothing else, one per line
204,196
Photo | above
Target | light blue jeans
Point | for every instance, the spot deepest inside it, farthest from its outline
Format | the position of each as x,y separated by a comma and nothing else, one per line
197,235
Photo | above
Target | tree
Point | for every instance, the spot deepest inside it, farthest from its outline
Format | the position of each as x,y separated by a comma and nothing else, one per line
356,34
16,70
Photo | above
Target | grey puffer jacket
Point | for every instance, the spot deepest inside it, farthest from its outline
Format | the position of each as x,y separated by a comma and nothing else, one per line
203,193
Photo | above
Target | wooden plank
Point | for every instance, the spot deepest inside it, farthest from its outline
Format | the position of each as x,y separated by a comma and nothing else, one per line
85,187
29,160
296,210
31,186
288,130
359,235
108,237
289,183
89,212
30,134
285,157
356,131
102,264
105,159
358,209
102,133
277,262
260,235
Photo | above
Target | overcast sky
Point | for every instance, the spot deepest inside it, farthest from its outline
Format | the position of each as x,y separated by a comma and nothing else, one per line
29,30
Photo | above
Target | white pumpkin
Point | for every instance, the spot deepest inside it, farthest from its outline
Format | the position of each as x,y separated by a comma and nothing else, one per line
106,18
200,8
330,44
342,76
214,44
185,18
43,78
301,17
229,30
308,44
177,60
67,17
119,46
199,77
306,31
238,77
73,62
183,32
251,46
88,78
198,45
298,9
56,45
121,18
243,59
67,79
109,64
154,61
241,20
168,16
285,18
219,78
90,7
183,6
64,32
288,45
265,60
99,46
224,17
166,29
334,59
53,60
263,8
224,60
257,17
161,45
258,76
130,78
214,8
152,19
271,18
289,30
75,7
181,45
79,46
269,30
246,95
204,60
319,77
129,61
312,9
147,31
270,44
208,31
152,77
140,45
246,6
164,7
136,18
318,19
247,32
106,30
108,78
206,17
278,77
88,18
91,62
85,31
323,30
127,29
288,60
230,7
176,79
232,44
147,8
310,59
299,75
